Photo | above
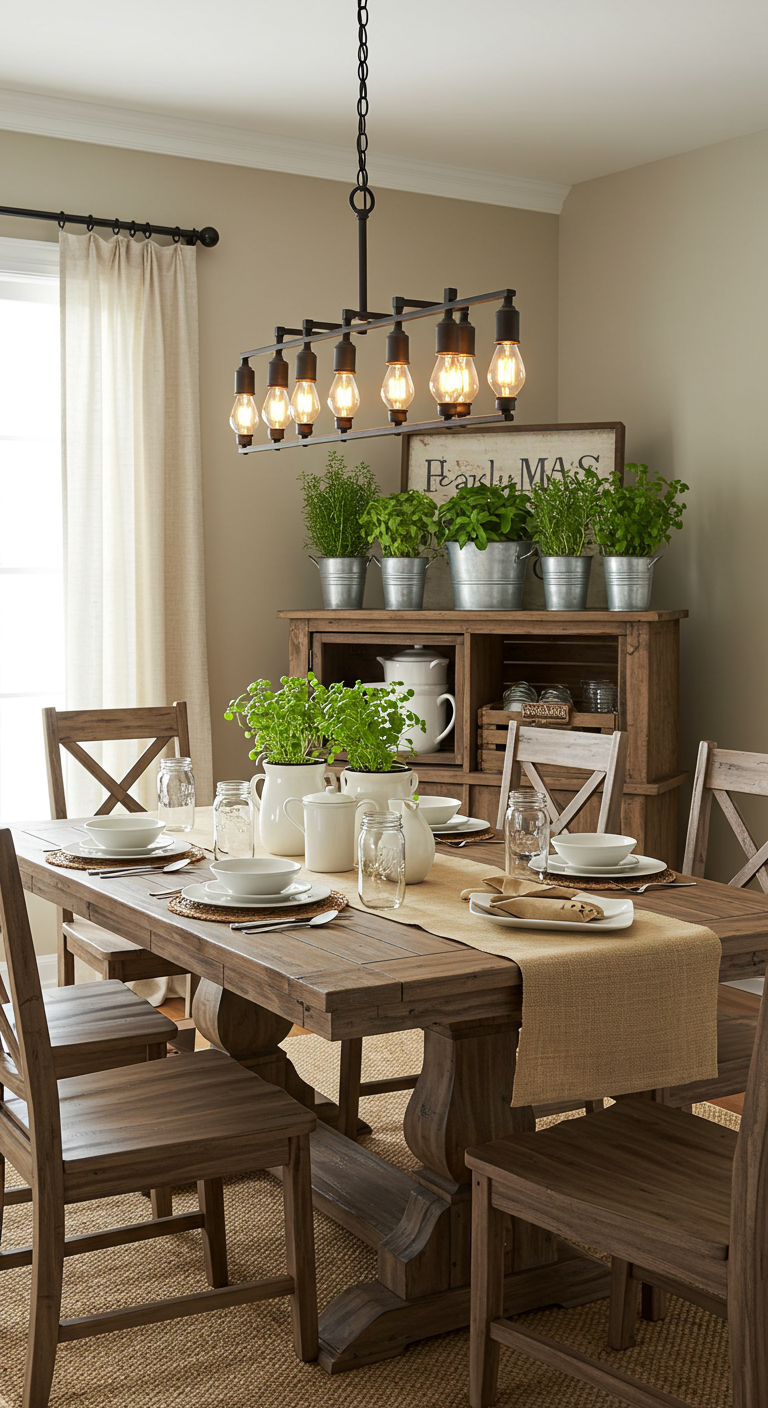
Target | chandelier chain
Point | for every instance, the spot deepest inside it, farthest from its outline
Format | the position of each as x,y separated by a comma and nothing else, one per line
368,199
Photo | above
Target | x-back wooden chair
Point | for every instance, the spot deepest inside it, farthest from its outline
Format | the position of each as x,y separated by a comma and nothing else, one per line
199,1119
108,954
527,748
679,1202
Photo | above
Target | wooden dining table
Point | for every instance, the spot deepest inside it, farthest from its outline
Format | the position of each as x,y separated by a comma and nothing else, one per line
357,977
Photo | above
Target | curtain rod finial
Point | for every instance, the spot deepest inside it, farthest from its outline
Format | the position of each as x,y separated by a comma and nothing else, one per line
209,237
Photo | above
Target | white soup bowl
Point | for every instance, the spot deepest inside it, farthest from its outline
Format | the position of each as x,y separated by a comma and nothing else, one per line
592,849
438,811
260,875
123,833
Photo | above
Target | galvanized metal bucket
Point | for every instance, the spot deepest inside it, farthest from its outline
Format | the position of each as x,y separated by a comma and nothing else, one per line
566,582
343,581
489,580
403,580
628,582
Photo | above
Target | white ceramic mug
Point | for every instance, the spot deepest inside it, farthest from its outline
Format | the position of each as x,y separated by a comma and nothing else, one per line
328,823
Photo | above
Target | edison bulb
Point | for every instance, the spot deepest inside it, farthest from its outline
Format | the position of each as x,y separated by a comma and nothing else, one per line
506,373
447,380
344,397
277,408
305,403
470,382
244,417
398,390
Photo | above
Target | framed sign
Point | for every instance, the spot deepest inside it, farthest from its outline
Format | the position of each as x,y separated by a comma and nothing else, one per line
439,462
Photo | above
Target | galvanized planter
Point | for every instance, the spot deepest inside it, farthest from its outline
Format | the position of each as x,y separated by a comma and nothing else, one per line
628,582
343,581
489,580
566,582
403,580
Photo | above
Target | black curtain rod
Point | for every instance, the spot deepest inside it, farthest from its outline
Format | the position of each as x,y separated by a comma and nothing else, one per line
207,236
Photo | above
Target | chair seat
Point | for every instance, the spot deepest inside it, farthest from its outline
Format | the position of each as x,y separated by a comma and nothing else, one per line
102,951
99,1025
166,1122
636,1173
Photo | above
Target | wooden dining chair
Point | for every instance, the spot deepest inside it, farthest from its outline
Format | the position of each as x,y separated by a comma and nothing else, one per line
97,1136
106,953
678,1202
527,749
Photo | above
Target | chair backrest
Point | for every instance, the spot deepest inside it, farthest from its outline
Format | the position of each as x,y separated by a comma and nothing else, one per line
72,728
26,1061
749,1217
720,771
605,754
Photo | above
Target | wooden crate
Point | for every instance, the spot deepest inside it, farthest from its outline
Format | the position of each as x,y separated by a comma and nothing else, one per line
493,722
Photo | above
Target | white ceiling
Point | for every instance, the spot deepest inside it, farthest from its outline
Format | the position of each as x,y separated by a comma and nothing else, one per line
556,91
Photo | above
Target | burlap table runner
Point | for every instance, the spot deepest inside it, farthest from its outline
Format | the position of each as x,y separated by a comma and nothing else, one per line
603,1013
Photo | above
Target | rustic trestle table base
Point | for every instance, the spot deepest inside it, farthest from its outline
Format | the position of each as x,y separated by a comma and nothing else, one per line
358,977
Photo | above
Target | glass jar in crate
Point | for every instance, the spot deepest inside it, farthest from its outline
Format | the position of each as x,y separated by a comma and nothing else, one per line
526,832
176,794
232,821
381,860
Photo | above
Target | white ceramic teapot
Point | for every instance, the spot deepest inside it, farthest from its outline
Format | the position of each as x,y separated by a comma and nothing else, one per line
282,780
419,839
415,666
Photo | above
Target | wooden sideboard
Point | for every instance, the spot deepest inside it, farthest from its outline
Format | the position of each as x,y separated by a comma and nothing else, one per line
487,651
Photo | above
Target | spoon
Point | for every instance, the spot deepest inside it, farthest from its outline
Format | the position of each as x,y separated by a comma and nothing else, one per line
144,869
252,926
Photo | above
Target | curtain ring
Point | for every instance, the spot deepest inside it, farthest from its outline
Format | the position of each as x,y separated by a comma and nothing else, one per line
147,231
116,227
62,220
195,238
89,224
132,229
177,235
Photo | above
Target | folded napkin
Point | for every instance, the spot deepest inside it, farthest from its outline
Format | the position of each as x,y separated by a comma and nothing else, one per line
525,899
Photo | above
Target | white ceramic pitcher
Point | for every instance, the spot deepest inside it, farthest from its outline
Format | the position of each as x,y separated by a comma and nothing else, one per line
419,840
328,826
378,787
281,781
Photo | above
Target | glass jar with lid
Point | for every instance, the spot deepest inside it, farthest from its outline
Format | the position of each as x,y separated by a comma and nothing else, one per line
232,821
176,794
526,832
381,861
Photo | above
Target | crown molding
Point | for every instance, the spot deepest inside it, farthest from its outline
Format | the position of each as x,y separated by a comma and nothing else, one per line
238,146
32,261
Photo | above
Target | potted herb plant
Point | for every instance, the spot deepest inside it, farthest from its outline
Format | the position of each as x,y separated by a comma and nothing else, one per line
403,524
373,726
560,525
334,503
631,522
288,731
485,529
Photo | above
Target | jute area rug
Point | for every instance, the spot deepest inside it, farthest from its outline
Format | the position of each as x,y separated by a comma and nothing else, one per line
242,1358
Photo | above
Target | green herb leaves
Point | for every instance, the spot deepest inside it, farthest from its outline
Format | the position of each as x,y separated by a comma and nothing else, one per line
403,523
287,724
334,503
633,520
562,511
483,514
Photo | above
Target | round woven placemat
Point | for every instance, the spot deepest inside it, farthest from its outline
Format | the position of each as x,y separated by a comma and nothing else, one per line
593,882
193,853
194,909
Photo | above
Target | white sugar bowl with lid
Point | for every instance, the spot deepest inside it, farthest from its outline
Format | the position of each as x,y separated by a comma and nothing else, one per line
414,666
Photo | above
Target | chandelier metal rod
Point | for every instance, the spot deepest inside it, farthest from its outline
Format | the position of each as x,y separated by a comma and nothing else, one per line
453,427
427,311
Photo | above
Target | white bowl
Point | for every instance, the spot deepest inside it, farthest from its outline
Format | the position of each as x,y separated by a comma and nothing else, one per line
590,848
123,833
438,811
261,875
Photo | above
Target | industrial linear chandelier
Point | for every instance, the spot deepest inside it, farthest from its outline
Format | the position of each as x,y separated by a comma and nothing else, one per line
454,382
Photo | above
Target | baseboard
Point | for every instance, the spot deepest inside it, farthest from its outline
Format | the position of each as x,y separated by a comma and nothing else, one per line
47,967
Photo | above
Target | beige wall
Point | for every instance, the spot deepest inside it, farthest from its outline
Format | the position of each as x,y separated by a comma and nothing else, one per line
288,250
663,298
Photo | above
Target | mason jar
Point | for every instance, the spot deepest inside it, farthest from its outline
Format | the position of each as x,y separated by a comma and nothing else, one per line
526,832
176,794
381,860
232,821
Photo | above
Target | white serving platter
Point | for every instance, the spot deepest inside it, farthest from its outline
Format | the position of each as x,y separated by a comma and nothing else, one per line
201,895
618,913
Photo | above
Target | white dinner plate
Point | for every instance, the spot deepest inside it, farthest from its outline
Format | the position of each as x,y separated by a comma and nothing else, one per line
201,895
168,847
618,913
646,865
298,887
460,826
628,863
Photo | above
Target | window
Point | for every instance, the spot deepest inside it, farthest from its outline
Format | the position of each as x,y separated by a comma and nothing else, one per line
31,561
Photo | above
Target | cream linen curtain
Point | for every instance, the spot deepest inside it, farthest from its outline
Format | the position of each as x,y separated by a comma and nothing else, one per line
133,532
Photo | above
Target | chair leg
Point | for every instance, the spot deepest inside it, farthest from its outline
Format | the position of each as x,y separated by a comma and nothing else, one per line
210,1193
162,1198
487,1293
591,1106
300,1247
45,1304
653,1303
349,1085
65,961
623,1311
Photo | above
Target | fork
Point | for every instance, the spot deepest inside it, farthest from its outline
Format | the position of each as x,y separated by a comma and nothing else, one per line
650,885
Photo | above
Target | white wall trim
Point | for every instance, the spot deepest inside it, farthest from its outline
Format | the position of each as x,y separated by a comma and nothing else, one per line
37,260
47,967
238,146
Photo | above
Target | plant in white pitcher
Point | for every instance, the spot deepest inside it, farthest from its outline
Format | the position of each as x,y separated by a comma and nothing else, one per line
373,726
288,730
